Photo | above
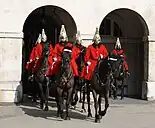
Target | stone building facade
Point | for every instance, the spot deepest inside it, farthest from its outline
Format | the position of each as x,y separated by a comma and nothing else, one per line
132,21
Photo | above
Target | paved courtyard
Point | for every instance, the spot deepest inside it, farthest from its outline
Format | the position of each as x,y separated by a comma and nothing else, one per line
128,113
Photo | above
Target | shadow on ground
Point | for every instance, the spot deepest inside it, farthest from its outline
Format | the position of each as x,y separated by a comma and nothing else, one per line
32,109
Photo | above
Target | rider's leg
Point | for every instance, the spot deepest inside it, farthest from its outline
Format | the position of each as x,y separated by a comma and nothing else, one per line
125,65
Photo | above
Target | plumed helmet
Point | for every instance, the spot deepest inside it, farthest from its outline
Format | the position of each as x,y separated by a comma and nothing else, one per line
97,35
63,34
44,37
39,39
118,44
78,37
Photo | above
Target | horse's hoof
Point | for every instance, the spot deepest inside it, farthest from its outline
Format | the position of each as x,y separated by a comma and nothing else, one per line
41,106
89,115
58,115
115,98
73,103
122,98
80,101
46,109
103,113
100,116
62,116
74,107
83,110
67,118
97,120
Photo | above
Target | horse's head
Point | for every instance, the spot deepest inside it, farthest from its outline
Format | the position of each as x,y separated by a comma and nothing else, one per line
103,71
116,64
104,66
66,57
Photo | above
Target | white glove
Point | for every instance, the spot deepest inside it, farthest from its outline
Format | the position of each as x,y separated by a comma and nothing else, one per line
121,56
89,63
55,59
101,56
30,60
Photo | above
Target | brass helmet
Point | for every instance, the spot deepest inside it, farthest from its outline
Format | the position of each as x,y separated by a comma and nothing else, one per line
39,39
44,37
78,37
97,38
63,35
118,44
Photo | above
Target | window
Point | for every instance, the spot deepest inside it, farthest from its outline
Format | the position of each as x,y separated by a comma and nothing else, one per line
110,28
117,31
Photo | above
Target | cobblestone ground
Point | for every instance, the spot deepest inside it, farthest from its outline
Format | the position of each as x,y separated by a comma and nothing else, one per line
129,113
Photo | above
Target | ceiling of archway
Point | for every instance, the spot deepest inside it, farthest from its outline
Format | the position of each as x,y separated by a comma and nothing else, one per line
55,16
129,21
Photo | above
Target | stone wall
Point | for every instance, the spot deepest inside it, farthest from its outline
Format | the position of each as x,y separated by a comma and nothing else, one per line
10,67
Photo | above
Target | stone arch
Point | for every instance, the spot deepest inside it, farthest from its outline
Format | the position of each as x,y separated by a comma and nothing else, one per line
133,32
50,18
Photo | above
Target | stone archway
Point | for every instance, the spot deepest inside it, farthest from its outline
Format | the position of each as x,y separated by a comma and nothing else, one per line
133,32
50,18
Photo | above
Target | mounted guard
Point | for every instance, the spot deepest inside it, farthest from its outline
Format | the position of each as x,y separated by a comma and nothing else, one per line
120,70
76,52
119,52
93,53
57,52
39,50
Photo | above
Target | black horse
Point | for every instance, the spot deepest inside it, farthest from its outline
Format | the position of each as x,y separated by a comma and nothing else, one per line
119,75
41,79
99,85
65,84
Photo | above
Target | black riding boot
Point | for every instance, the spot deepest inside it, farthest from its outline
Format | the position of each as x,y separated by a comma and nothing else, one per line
53,80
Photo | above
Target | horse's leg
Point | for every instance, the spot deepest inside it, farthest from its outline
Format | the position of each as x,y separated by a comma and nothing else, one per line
42,97
81,86
97,118
99,102
47,93
122,89
88,100
74,96
80,95
112,88
69,94
115,89
106,102
34,91
83,101
60,102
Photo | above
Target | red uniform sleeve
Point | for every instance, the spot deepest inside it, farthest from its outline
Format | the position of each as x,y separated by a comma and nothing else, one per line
121,52
114,52
50,58
55,51
74,52
51,50
104,51
32,55
87,55
38,51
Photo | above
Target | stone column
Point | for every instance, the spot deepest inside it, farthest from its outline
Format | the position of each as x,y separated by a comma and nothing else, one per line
148,89
10,66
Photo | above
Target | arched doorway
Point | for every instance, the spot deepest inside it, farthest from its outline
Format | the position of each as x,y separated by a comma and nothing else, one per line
50,18
133,31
